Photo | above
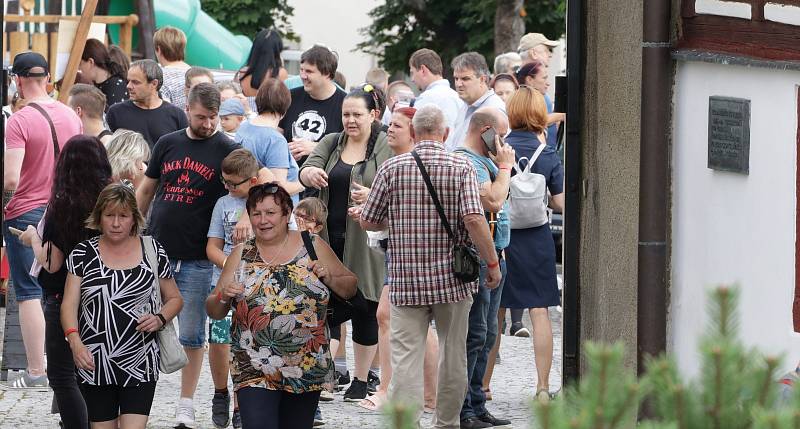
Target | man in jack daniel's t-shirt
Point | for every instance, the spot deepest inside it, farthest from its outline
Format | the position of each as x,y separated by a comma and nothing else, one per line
184,176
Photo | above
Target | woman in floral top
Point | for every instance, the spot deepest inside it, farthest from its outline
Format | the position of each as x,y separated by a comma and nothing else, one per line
279,336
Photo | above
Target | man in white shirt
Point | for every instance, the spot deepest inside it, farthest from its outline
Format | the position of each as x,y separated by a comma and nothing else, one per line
426,70
471,75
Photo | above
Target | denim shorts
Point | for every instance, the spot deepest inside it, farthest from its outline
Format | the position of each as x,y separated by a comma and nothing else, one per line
20,258
193,278
219,331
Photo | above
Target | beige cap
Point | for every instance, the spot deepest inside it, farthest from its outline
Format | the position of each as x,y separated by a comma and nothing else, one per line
531,40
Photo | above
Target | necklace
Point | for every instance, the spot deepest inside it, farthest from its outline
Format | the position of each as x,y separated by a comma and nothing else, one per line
276,253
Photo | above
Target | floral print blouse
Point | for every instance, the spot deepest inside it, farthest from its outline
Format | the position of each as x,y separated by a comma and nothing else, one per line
279,337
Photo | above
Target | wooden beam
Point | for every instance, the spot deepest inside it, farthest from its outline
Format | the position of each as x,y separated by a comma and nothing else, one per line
764,40
132,19
75,54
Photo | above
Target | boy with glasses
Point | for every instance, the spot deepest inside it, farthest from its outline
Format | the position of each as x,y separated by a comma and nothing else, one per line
239,174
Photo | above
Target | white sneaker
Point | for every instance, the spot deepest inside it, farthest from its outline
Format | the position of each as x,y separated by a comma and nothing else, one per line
184,413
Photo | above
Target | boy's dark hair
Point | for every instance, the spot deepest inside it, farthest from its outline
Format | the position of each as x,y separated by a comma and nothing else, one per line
314,207
206,94
242,163
273,97
323,58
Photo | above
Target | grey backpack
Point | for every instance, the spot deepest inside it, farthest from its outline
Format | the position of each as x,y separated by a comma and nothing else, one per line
527,195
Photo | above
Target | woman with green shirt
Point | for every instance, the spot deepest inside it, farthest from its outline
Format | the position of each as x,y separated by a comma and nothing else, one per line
342,167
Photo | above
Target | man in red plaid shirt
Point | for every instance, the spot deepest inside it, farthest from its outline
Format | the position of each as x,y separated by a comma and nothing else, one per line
423,285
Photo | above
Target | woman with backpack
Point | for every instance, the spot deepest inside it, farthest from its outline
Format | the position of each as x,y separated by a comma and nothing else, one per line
531,281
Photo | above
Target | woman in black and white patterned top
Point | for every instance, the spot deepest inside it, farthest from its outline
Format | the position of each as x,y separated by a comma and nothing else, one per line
108,312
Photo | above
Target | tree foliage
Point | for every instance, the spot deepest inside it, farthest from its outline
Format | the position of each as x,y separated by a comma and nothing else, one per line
400,27
247,17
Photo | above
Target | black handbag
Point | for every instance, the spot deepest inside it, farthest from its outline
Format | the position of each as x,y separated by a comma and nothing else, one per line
340,310
466,263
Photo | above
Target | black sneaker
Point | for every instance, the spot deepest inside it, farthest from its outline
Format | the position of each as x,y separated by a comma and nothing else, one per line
494,421
342,380
474,423
356,392
373,381
220,406
517,330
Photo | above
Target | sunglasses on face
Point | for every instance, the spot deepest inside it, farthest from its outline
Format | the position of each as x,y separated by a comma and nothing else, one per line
230,184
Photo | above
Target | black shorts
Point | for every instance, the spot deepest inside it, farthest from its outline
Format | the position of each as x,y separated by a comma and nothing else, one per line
106,403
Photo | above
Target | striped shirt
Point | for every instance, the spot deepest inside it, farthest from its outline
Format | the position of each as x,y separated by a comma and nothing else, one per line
420,262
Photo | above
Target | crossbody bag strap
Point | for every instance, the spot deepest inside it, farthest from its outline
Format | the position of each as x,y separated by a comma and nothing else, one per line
432,192
152,262
56,149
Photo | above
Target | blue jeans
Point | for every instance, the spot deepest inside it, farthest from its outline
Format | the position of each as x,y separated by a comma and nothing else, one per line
193,278
20,258
481,336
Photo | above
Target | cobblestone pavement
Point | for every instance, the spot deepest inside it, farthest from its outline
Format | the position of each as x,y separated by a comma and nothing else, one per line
512,387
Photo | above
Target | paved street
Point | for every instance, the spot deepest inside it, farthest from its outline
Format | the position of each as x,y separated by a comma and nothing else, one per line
512,386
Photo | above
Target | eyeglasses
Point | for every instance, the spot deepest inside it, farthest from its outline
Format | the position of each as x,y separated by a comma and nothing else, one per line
265,189
305,219
231,185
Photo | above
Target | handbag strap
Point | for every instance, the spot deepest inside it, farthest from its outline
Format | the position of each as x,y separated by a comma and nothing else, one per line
56,149
150,255
432,192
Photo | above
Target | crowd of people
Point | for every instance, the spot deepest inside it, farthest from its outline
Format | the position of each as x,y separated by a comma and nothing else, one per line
262,213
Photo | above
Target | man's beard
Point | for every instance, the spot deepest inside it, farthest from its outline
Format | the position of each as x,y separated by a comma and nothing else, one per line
203,132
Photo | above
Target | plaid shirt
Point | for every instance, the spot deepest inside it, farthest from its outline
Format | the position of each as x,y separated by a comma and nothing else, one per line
420,266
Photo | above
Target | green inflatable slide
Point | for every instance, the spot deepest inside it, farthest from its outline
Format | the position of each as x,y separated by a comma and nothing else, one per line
209,44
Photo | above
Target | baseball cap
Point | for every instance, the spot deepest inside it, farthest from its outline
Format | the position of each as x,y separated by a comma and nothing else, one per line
231,106
29,64
530,40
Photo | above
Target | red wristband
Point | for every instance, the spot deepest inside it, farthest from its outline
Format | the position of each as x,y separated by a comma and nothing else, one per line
494,264
70,331
505,168
219,298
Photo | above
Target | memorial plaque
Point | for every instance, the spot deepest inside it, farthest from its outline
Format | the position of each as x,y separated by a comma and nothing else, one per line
729,134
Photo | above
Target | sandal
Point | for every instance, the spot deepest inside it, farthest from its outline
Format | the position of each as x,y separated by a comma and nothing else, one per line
428,410
373,402
487,392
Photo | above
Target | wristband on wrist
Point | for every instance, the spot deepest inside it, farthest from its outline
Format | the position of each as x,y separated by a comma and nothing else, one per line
224,261
70,331
494,264
163,320
505,168
219,298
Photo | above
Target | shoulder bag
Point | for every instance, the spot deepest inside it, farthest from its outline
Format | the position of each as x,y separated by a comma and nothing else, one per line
56,148
340,310
466,263
172,357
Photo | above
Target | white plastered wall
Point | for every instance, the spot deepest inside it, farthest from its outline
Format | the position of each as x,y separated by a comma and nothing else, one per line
730,228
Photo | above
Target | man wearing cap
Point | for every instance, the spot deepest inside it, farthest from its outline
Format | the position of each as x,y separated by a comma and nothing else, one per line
34,137
535,46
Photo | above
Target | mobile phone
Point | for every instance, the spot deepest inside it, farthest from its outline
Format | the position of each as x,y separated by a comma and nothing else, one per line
15,231
488,137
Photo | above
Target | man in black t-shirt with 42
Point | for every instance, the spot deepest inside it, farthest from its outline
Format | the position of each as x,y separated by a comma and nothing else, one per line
184,176
316,108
